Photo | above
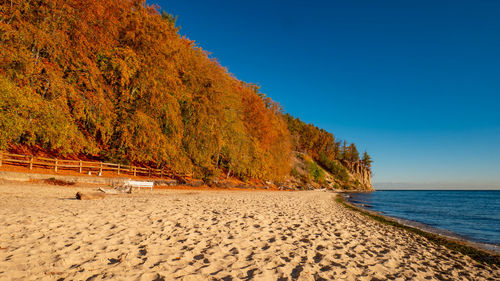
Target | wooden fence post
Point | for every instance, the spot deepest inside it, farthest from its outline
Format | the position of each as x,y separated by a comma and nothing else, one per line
55,167
80,166
149,172
161,174
1,157
100,168
31,162
134,171
118,168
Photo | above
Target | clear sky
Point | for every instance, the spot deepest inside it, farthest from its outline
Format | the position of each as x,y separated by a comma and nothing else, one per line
415,83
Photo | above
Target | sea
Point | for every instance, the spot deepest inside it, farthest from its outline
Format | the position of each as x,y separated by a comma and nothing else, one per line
466,214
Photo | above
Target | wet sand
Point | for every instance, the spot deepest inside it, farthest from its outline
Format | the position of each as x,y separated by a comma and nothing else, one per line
209,235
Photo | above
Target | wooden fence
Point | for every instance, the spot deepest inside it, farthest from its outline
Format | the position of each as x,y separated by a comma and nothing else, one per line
82,166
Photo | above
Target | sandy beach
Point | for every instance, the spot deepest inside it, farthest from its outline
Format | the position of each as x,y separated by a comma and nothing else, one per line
209,235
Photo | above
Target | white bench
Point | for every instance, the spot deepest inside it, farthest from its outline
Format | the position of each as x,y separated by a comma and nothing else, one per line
140,184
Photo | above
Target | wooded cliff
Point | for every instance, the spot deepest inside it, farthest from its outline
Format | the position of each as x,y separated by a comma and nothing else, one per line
114,80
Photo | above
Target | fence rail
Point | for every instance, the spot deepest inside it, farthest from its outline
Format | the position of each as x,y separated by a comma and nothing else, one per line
83,166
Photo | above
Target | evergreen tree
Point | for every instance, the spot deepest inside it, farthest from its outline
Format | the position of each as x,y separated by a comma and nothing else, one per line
367,160
353,153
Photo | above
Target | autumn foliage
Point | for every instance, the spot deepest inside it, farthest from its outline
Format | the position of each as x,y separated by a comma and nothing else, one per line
113,79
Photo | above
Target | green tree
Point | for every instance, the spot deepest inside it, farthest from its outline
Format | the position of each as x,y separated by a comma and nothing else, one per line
353,154
367,160
169,17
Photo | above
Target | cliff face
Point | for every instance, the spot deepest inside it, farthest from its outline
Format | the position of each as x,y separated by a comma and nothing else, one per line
309,174
361,177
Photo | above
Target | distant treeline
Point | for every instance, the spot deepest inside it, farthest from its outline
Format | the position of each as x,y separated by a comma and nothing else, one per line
115,80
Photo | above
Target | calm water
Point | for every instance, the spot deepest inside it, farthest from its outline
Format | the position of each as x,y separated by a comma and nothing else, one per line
474,215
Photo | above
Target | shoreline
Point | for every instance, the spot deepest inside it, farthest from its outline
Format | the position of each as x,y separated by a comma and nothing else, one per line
492,248
481,252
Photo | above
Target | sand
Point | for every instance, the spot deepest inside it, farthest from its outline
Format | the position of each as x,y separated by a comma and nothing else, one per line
209,235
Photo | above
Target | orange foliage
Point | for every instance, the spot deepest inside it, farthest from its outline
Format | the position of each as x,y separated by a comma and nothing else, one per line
114,80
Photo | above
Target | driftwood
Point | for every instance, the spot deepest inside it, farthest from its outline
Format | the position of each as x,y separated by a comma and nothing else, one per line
109,191
124,189
89,195
116,190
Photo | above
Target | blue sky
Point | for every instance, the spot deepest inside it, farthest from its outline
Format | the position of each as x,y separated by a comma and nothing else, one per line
415,83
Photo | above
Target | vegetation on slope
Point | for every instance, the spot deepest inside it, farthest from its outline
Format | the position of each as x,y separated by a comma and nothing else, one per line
113,79
331,154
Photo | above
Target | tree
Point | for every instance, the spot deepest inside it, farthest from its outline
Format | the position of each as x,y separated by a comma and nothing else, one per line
169,17
367,160
353,154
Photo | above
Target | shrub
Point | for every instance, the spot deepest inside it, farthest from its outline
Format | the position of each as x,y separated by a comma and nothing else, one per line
337,170
295,173
315,171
